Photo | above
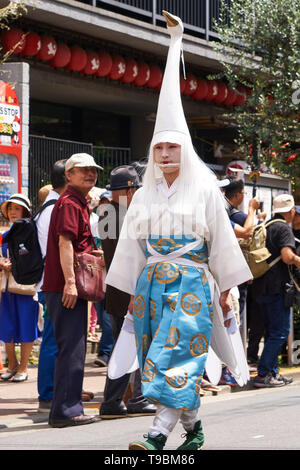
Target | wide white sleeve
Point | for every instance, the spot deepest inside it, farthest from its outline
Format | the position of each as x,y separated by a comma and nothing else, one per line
129,259
226,260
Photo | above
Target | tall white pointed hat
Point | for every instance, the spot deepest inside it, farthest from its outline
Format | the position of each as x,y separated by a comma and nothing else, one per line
170,124
170,116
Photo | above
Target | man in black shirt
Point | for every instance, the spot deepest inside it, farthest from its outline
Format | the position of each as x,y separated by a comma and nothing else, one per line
270,291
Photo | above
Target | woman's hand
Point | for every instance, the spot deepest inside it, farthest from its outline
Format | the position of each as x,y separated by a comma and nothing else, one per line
225,304
5,264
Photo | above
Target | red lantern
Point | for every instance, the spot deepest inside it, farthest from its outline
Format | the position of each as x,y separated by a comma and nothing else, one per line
202,90
190,86
155,76
105,64
92,63
222,93
182,84
143,75
130,72
48,48
78,59
32,44
14,40
231,97
212,90
62,56
118,68
240,96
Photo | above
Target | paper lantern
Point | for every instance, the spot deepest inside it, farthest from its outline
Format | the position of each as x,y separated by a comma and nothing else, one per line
155,76
14,40
32,44
92,63
231,97
190,86
240,96
78,59
212,90
182,84
143,74
118,68
202,90
105,64
130,72
62,56
48,48
222,92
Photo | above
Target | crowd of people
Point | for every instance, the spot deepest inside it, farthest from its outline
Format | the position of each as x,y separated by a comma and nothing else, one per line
176,282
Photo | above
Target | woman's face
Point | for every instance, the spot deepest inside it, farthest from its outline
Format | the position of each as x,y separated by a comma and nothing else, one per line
14,212
167,156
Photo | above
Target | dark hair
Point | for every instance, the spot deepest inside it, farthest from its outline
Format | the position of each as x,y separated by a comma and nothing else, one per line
58,179
25,212
236,186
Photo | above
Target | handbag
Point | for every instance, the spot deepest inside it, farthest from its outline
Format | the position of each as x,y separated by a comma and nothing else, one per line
88,270
15,288
7,282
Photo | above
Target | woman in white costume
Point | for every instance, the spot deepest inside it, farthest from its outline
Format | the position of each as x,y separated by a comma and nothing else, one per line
178,257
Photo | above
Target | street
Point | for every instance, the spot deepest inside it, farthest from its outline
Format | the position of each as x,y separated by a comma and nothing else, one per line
248,420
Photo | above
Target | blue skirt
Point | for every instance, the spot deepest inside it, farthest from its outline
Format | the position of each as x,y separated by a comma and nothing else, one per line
173,324
18,318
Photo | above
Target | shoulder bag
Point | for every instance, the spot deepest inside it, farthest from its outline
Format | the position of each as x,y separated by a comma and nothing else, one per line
88,270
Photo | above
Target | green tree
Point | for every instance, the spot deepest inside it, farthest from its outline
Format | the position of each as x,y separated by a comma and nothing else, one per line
259,48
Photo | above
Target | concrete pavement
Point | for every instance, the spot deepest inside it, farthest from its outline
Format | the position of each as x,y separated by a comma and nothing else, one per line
19,403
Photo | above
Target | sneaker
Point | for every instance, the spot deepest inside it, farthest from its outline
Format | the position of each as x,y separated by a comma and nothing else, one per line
287,380
268,381
227,379
44,406
152,443
194,439
102,361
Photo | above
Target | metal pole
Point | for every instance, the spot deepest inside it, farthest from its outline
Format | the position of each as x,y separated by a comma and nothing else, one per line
207,15
154,5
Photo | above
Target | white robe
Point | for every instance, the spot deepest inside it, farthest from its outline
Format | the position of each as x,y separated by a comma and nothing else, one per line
205,218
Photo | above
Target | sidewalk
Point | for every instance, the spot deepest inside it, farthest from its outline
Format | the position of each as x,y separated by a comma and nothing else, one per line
19,404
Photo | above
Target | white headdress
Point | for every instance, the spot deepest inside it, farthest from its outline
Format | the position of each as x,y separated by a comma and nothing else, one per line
171,125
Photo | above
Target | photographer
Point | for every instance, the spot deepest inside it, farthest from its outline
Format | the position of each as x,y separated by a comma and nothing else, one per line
272,294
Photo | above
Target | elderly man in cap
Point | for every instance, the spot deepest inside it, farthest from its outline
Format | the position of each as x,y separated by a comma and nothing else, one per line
69,233
270,291
124,181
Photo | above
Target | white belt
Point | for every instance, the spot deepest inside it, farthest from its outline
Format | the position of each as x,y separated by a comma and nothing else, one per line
176,257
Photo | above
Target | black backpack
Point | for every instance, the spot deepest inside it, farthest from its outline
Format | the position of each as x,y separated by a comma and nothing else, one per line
24,249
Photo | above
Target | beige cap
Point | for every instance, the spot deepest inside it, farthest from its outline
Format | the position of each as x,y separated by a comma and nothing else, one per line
81,160
283,203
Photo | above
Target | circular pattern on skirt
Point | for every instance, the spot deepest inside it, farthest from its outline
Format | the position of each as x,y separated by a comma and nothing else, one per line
176,377
149,371
190,304
198,345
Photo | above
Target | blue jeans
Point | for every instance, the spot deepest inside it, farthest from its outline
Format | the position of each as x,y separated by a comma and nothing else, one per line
47,357
106,342
277,327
